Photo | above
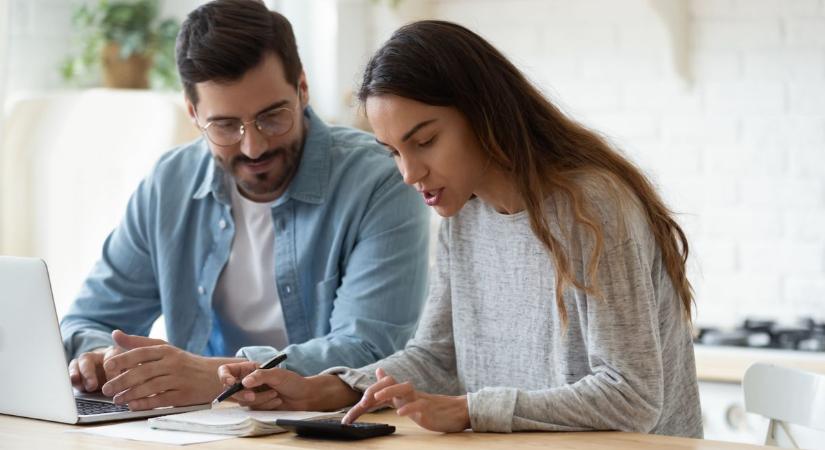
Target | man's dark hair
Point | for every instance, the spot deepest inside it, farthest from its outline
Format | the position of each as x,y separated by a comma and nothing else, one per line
223,39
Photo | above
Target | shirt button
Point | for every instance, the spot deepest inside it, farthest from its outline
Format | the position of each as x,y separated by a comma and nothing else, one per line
222,224
201,290
288,289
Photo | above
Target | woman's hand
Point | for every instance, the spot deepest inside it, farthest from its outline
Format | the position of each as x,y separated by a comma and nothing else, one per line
257,394
284,389
434,412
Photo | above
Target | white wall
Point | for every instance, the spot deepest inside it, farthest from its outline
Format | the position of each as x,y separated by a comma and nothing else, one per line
4,47
40,36
739,151
738,148
38,32
4,50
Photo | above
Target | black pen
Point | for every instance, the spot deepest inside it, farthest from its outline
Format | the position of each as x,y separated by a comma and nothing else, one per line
231,390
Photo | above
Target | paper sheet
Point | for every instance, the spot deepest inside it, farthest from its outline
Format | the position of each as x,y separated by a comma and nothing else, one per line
139,430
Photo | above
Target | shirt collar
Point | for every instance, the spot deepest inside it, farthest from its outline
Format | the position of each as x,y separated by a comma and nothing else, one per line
310,182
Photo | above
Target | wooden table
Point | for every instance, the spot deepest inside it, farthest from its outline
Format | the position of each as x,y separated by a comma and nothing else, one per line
19,433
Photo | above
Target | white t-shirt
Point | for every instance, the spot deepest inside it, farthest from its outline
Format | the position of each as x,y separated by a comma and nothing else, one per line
246,296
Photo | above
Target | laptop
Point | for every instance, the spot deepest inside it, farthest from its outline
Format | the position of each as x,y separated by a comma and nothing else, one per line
34,375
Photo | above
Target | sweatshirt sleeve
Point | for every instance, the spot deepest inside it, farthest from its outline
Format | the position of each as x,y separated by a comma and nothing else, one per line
428,359
624,390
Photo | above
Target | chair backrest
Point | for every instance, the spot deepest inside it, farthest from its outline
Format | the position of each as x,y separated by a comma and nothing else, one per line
787,397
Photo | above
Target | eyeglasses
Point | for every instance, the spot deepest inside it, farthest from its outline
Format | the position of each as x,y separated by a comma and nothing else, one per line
228,132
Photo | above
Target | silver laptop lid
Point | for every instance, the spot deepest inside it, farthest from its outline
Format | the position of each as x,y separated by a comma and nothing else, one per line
34,381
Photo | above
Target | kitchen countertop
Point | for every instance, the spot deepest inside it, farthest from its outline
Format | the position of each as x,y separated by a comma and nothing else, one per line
728,364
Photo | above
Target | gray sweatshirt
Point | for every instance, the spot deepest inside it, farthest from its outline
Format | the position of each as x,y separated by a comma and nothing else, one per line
491,328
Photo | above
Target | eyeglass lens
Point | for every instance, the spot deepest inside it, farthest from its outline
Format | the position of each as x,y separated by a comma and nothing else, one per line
231,131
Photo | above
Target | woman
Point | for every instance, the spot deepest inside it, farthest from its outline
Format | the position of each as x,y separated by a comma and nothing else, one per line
560,300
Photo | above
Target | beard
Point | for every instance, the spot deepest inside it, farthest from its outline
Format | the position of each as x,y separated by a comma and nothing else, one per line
274,180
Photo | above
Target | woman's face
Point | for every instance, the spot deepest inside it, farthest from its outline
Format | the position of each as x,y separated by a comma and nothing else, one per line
433,147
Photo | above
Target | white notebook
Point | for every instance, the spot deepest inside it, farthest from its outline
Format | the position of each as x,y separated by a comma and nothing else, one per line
236,421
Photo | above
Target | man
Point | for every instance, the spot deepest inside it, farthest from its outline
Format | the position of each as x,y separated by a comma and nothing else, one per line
274,232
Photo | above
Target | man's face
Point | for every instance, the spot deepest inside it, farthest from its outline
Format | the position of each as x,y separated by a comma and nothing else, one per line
264,161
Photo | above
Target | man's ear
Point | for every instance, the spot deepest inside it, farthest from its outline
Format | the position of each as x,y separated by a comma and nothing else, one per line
190,109
303,90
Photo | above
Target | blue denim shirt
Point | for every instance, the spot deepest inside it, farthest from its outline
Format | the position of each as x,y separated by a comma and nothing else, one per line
350,257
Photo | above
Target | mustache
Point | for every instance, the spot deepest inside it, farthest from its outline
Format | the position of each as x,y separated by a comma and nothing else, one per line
266,156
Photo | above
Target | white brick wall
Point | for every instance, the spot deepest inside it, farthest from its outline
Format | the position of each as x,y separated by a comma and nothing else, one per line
740,151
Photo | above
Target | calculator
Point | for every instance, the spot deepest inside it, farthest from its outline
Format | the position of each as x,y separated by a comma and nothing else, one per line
334,429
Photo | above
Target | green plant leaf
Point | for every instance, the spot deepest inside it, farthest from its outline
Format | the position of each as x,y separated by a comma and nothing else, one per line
134,26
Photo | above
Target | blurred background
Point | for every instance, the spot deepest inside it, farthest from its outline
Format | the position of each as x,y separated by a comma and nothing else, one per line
721,102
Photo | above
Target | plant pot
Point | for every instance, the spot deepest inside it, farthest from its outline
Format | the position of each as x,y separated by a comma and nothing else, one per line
129,73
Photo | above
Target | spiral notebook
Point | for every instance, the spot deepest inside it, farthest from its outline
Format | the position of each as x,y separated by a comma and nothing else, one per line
235,421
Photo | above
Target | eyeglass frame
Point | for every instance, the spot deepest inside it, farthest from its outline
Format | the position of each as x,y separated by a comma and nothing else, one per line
242,125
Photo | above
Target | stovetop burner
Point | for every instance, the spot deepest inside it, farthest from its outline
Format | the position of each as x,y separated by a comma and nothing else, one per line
806,335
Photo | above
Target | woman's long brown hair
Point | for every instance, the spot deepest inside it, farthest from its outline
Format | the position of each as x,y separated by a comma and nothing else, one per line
444,64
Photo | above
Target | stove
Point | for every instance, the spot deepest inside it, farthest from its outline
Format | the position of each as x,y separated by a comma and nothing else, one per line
805,335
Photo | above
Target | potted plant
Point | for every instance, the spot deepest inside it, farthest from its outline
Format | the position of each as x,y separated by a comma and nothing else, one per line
127,40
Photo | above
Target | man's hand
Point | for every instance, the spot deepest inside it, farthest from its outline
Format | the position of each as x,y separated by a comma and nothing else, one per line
434,412
284,389
151,373
86,371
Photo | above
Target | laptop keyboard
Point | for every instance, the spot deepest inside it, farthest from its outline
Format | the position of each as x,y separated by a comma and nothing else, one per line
91,407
